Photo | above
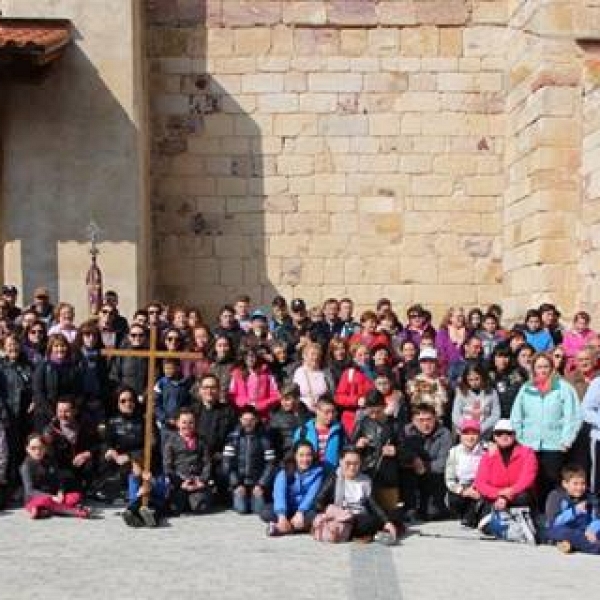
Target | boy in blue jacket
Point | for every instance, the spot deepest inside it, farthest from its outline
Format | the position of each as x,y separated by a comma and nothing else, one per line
535,334
171,393
324,434
572,514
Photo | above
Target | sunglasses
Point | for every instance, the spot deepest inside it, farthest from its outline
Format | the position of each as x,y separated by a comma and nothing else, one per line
501,433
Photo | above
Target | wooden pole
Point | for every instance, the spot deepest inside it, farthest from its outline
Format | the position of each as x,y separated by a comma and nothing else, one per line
149,424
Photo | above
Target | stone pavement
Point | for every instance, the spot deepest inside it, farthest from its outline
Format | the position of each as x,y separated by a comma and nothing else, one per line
224,556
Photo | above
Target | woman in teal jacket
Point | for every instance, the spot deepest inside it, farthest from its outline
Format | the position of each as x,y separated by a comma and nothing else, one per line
546,417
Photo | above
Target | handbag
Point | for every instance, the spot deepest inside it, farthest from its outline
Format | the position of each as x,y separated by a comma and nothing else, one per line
513,525
333,526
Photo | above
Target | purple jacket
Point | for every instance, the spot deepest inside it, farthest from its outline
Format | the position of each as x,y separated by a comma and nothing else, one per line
447,351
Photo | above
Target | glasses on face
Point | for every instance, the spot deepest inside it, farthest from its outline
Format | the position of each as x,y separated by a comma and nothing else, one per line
413,316
126,400
107,311
37,332
136,336
503,433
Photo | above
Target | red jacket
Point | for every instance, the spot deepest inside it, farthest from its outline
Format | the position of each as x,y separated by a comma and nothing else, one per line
354,384
493,475
377,339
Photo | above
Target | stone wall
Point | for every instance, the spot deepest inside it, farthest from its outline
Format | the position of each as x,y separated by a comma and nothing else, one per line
74,149
342,148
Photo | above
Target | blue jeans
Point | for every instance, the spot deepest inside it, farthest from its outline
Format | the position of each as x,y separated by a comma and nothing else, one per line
576,537
248,503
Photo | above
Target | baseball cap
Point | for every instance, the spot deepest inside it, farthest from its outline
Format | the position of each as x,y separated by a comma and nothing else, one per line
298,305
470,425
504,425
428,354
258,314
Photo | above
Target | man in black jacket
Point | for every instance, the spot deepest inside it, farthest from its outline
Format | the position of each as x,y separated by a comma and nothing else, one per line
132,371
249,461
378,439
428,444
286,419
214,422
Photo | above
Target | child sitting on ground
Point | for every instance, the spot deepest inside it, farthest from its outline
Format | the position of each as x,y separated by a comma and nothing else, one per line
461,467
572,514
43,489
188,466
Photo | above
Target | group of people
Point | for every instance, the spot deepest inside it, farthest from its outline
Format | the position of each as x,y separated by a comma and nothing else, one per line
313,420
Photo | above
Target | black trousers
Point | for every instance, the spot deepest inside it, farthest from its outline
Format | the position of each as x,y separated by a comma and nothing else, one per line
550,463
467,510
424,493
366,524
198,502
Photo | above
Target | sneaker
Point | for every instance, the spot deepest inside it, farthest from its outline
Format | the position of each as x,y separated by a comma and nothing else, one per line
131,519
411,517
83,512
148,516
385,538
565,547
484,523
272,530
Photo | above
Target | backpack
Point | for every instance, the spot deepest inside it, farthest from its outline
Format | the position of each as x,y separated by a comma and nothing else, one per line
333,526
513,525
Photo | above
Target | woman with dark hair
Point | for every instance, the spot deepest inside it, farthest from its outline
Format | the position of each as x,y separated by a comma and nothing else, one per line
58,375
476,400
94,371
337,361
123,444
506,378
294,493
253,384
222,365
474,321
35,339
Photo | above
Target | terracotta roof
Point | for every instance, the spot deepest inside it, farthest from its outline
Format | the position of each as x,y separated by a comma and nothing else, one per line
40,39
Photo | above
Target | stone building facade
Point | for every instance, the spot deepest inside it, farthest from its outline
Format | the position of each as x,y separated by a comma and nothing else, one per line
441,151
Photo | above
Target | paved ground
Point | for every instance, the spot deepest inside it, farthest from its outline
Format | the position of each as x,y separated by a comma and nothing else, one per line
221,556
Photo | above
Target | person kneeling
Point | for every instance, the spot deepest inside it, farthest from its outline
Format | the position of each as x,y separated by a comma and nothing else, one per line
187,466
294,493
572,514
345,499
43,488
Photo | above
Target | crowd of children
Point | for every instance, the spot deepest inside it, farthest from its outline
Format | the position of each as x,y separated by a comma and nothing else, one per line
309,419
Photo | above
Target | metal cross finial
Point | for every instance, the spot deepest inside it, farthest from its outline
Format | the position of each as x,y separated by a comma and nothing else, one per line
93,234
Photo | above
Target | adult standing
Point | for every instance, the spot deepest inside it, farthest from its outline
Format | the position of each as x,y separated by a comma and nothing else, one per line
546,417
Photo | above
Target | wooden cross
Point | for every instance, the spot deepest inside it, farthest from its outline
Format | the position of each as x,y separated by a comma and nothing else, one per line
151,353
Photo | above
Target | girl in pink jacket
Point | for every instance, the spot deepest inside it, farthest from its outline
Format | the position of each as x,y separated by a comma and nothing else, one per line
252,384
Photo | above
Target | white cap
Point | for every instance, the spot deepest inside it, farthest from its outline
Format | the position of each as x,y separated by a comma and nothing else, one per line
504,425
428,354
